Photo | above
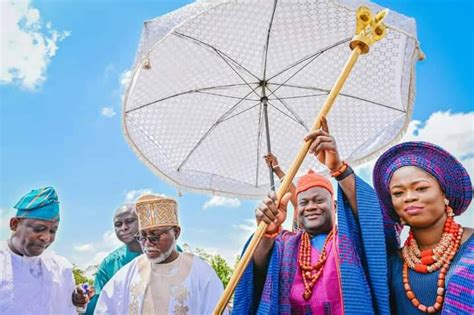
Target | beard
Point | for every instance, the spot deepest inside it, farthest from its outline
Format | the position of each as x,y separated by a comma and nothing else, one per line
163,256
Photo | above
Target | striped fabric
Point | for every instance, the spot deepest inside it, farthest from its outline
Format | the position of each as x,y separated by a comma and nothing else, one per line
459,297
362,249
448,171
40,204
362,263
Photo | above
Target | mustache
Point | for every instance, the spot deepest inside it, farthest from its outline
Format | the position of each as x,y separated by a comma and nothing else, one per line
151,250
316,212
44,246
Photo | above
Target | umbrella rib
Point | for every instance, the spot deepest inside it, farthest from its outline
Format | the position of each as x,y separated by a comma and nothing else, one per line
299,96
294,74
346,95
230,178
183,93
372,102
241,112
268,40
291,118
236,72
297,118
259,137
146,134
302,87
216,50
214,125
227,96
314,56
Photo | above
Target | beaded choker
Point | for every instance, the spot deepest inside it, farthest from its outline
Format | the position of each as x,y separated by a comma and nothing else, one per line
440,257
311,273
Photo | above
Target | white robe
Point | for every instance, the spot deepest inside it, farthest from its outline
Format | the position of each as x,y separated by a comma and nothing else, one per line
35,285
186,286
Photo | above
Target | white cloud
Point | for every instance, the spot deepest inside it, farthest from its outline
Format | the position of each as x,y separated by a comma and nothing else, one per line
27,44
107,112
110,239
249,226
98,257
99,249
84,247
133,195
218,201
5,215
452,131
125,79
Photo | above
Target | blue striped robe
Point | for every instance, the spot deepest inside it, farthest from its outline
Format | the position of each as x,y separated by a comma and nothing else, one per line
362,262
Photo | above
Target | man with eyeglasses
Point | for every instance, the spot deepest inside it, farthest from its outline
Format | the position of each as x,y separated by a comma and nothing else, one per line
163,280
32,279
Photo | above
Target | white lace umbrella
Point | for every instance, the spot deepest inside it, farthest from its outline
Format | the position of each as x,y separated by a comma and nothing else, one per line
205,74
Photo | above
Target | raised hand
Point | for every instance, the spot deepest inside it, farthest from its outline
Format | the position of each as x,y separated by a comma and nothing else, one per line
80,297
271,213
324,147
271,161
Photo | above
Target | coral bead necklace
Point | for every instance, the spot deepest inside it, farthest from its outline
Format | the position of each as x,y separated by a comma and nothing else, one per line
311,273
440,257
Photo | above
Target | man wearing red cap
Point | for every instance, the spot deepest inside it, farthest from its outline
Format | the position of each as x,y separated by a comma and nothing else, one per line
324,268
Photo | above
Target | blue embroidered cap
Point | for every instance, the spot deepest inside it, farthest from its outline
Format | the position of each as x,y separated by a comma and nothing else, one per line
40,204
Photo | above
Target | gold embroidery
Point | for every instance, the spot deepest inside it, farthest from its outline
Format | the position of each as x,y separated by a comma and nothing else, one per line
138,289
181,295
181,309
167,292
156,211
136,292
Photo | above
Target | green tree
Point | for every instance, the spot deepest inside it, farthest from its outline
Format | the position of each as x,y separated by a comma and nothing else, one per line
79,276
222,268
219,264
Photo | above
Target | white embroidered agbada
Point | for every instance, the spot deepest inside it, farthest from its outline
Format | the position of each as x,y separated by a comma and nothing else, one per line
35,285
186,285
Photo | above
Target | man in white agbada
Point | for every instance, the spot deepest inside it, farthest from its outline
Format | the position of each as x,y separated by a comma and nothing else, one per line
31,281
162,280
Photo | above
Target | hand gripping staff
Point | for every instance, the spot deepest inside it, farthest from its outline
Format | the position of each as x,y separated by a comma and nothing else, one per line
369,29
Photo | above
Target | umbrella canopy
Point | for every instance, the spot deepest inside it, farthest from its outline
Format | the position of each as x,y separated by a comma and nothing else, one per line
194,110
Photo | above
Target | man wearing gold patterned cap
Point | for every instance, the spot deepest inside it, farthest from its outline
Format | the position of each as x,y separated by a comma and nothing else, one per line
162,280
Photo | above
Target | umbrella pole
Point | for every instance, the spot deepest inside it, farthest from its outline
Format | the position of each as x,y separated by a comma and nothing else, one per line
369,29
264,101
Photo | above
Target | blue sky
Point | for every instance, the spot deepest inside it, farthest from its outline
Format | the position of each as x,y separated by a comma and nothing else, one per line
60,116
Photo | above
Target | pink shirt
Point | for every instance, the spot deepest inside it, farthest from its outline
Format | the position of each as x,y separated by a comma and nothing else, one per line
326,298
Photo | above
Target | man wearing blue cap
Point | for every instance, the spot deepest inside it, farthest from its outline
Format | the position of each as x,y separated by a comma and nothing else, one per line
32,281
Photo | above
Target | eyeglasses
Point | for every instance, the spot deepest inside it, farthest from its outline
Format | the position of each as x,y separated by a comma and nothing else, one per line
154,238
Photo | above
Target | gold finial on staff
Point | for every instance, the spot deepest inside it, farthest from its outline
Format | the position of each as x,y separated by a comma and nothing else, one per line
369,28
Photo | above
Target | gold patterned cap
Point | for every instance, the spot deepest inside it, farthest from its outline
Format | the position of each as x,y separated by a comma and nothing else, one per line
154,211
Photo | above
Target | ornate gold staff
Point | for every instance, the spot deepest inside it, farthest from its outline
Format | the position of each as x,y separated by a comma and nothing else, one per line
369,29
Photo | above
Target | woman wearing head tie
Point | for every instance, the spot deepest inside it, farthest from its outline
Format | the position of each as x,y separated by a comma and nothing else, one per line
422,186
